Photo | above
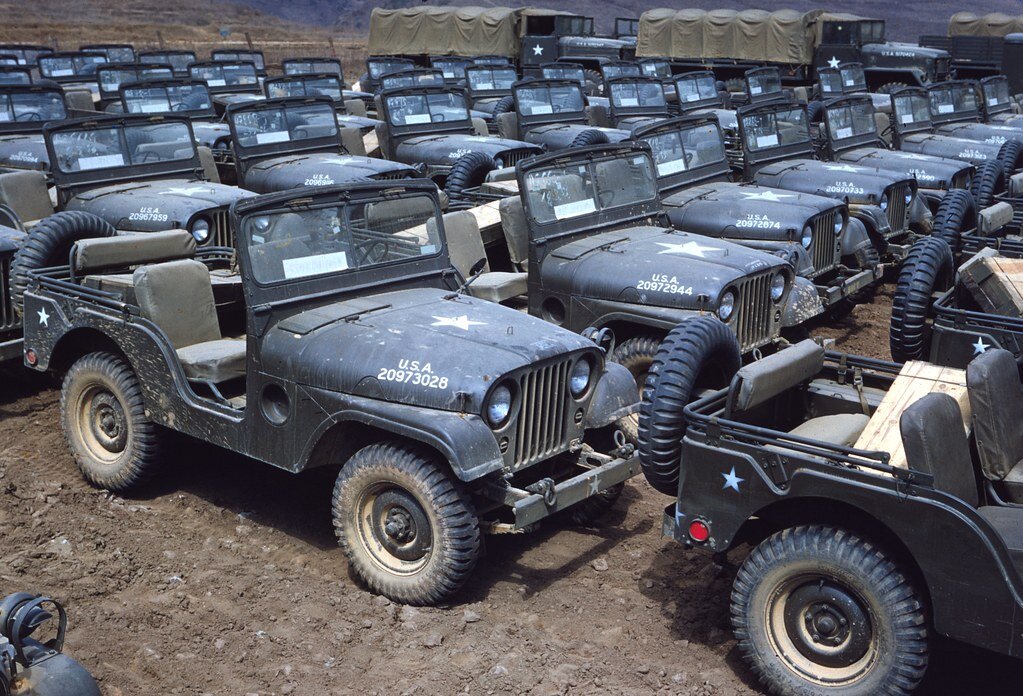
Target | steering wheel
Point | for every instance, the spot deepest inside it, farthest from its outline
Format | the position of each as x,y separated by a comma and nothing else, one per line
180,106
366,249
29,116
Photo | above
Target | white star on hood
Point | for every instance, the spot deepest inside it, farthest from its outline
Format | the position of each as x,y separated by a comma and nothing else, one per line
188,191
463,322
687,249
765,196
841,168
538,50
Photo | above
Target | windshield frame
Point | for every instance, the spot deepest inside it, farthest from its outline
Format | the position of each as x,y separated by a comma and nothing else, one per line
245,155
136,69
491,69
990,104
304,79
778,150
669,181
843,138
16,127
955,113
208,112
553,116
167,57
431,126
647,85
699,78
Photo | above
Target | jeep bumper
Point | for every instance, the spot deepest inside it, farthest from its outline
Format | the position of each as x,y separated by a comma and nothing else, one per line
850,285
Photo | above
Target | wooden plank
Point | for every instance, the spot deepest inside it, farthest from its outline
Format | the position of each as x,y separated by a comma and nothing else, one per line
996,283
372,145
508,187
915,380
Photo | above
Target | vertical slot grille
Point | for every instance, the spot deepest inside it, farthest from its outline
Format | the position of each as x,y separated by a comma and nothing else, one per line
824,249
542,430
752,323
8,319
220,226
898,211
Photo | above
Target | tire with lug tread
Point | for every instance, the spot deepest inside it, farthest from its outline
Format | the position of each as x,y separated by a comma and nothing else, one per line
957,213
49,243
469,171
1010,154
987,182
103,416
927,268
594,81
636,355
504,105
699,353
820,610
404,523
815,111
889,87
590,136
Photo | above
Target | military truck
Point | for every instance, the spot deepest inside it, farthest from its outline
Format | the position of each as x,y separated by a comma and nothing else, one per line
552,114
982,45
847,584
24,110
179,60
282,144
626,29
447,416
798,43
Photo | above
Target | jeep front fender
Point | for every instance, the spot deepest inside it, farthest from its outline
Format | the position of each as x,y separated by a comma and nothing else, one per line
804,303
614,397
854,237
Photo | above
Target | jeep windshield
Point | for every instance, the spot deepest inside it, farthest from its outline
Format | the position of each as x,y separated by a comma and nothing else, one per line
325,239
111,78
121,145
575,73
412,78
695,89
27,55
79,65
144,99
283,123
764,84
655,68
953,99
178,61
327,86
996,94
378,67
911,109
561,192
540,101
227,75
487,79
451,68
630,95
299,66
850,120
686,148
621,70
853,78
433,107
31,106
114,54
12,76
254,57
766,131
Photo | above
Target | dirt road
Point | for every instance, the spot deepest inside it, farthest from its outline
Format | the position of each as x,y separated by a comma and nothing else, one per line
225,579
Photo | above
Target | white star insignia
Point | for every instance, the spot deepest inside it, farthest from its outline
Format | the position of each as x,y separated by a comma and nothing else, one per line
841,168
979,347
538,50
687,249
731,480
765,196
833,62
44,318
187,191
463,322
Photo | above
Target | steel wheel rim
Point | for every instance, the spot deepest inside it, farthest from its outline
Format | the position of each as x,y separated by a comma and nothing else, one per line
394,529
102,424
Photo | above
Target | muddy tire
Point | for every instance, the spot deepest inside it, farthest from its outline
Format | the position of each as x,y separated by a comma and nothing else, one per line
103,415
590,136
927,269
469,171
49,243
1011,157
956,214
406,526
700,353
636,355
987,182
818,610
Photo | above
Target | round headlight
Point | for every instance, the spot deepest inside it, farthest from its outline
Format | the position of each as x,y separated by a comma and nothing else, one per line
499,162
499,406
221,145
909,197
726,305
777,286
261,223
839,224
579,380
807,238
884,202
201,231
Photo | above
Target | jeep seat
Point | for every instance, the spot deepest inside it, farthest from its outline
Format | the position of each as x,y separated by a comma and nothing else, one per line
177,296
26,194
992,381
465,247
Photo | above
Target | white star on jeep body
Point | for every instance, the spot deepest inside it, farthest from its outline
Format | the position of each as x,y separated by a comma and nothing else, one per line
833,62
841,168
687,249
44,318
732,481
186,191
765,196
538,50
979,347
463,322
336,160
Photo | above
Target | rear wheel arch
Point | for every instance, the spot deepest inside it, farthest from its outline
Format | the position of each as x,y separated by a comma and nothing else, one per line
79,342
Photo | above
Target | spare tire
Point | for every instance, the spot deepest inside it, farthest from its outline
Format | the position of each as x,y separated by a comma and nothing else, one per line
590,136
988,181
815,111
594,82
699,353
927,268
470,170
956,214
49,243
1011,157
504,105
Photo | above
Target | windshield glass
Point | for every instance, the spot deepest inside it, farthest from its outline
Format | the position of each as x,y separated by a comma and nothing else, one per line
79,65
15,77
451,68
26,56
621,70
114,54
573,25
490,79
872,31
178,61
763,83
851,120
911,109
415,109
830,81
558,72
111,79
538,101
299,67
572,190
227,75
283,124
853,78
694,89
231,56
402,80
383,67
626,95
32,106
775,129
8,60
331,238
626,27
166,98
952,99
655,68
122,146
686,148
305,87
491,60
996,93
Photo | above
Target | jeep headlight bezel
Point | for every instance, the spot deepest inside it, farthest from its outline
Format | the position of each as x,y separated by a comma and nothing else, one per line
726,305
498,408
807,239
580,378
200,230
777,287
883,203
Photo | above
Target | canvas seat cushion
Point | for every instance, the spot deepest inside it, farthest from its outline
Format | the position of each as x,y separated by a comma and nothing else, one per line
838,429
214,361
499,287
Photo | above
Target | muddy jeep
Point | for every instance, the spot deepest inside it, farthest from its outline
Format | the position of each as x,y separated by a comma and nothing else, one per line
286,143
552,114
343,340
179,60
846,583
24,110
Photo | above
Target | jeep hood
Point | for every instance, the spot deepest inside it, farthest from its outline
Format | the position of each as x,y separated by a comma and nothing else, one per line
983,132
24,152
319,169
950,147
930,171
842,180
444,149
559,136
412,347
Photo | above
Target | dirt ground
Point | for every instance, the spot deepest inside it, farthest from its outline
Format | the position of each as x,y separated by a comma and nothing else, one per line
225,579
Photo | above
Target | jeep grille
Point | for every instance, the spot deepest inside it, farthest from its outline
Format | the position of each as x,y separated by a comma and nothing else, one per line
898,211
824,251
390,176
8,319
513,157
220,229
541,431
753,324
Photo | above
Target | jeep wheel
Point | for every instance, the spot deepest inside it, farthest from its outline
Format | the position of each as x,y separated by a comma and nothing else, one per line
1010,154
987,182
103,416
590,136
469,171
636,355
406,527
817,610
927,269
815,111
504,105
956,214
700,353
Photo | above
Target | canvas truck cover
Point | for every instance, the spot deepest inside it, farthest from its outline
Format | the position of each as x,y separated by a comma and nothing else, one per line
464,31
782,36
994,24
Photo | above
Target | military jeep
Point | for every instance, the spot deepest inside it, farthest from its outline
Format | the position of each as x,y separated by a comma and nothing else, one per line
115,53
552,114
345,339
229,55
24,110
378,66
314,65
228,82
10,320
71,68
286,143
27,54
847,583
110,77
489,87
325,85
179,60
15,76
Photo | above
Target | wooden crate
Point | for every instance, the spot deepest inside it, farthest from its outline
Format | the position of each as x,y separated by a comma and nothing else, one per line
996,283
917,379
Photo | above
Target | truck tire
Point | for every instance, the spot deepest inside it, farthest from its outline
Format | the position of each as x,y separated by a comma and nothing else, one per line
49,243
926,269
103,416
469,171
636,355
594,82
699,353
1011,157
504,105
405,525
957,213
590,136
819,610
889,87
815,111
988,181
